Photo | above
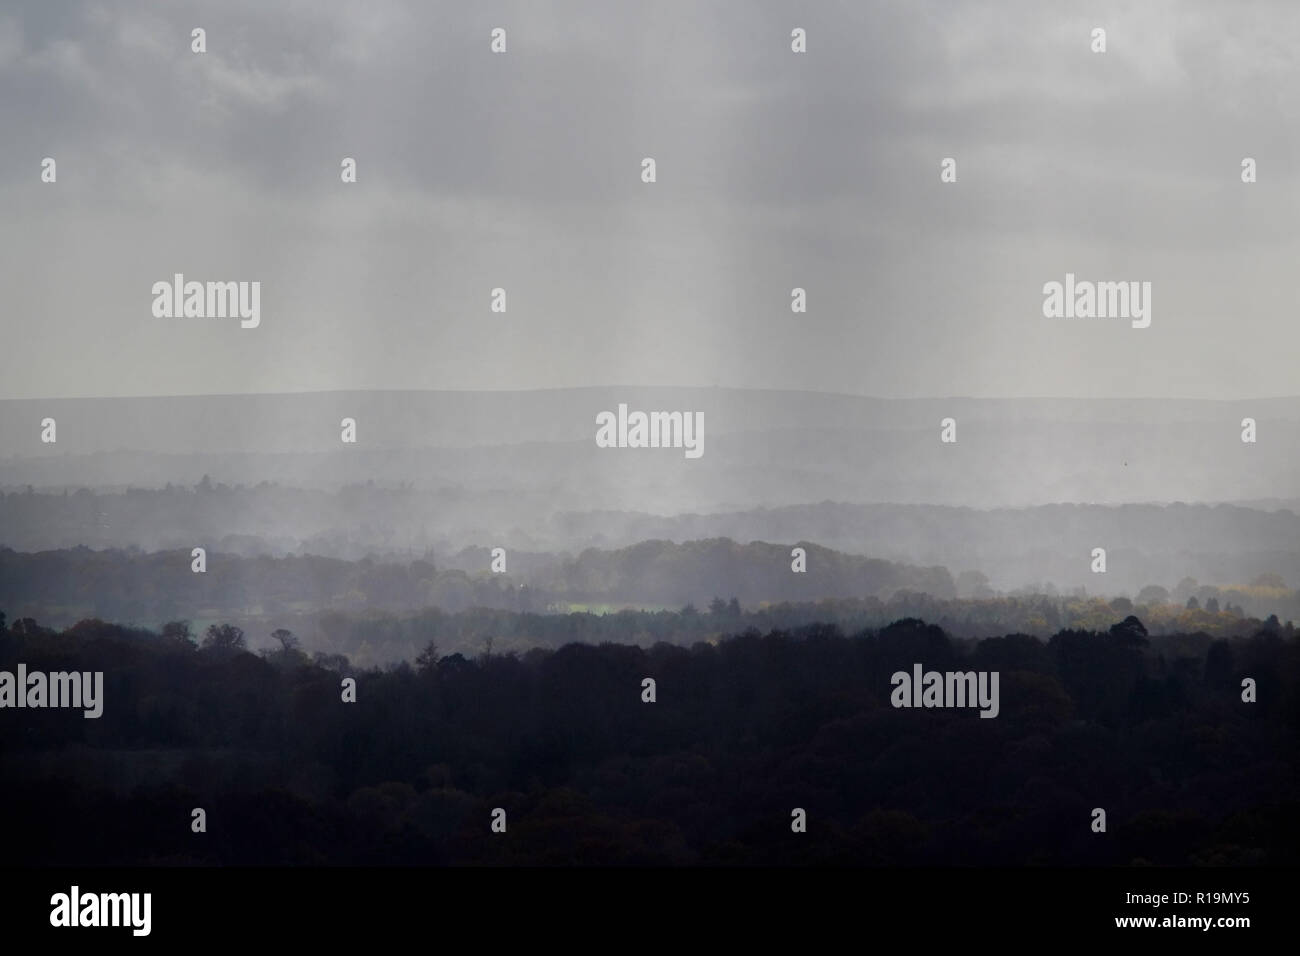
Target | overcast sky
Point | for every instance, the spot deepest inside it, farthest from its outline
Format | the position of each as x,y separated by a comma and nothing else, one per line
775,170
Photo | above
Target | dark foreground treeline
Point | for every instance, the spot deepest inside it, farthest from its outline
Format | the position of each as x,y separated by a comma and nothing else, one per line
1153,730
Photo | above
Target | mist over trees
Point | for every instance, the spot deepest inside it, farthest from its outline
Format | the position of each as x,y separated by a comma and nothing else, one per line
380,610
346,680
1150,544
140,587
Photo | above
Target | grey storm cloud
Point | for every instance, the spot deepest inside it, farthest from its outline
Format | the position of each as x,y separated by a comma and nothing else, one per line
775,170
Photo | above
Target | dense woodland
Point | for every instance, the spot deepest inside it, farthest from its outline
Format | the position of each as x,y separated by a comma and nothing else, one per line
378,611
744,729
378,638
